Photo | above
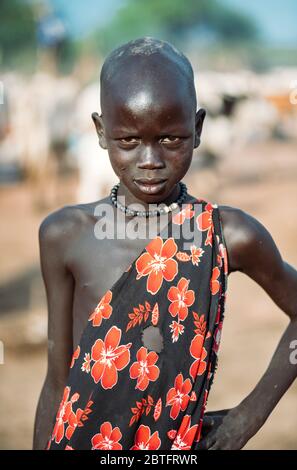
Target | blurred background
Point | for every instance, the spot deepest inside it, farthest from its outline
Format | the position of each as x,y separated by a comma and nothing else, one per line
244,56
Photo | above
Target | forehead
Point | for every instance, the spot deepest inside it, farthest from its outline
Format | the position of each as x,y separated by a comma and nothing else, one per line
139,94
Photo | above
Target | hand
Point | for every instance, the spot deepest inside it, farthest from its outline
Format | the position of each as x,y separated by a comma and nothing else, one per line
226,430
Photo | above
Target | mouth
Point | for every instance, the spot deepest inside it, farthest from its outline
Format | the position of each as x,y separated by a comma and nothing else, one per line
150,186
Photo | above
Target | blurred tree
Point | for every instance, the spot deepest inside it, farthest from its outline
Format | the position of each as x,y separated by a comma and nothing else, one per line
175,20
17,31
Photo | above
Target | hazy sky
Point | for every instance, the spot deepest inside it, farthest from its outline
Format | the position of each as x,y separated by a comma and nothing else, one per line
277,19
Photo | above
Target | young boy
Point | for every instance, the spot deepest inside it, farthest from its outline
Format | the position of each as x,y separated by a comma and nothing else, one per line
134,323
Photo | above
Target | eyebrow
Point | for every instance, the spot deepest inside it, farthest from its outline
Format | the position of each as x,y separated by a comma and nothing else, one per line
167,129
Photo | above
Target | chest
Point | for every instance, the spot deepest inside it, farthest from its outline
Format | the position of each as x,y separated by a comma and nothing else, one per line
96,265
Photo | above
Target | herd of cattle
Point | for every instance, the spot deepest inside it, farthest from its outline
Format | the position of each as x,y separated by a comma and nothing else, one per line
46,125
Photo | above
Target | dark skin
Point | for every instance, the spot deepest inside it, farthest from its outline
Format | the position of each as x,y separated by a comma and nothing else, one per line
151,131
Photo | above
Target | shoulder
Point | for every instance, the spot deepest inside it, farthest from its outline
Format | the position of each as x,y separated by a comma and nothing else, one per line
67,222
248,242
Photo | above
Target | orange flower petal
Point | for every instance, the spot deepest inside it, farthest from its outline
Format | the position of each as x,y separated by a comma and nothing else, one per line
173,308
154,281
116,435
170,270
204,220
122,360
189,298
143,264
113,337
154,442
169,248
155,246
97,349
106,311
106,429
153,373
134,370
97,371
143,434
141,354
178,383
196,346
187,386
109,377
152,358
183,284
172,294
142,383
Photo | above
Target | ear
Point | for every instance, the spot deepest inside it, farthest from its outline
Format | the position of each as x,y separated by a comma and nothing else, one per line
199,118
98,121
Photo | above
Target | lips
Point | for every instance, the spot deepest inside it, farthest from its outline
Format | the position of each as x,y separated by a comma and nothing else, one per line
151,186
150,181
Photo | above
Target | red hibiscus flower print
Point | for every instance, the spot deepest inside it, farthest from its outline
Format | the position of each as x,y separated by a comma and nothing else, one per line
75,356
205,222
181,298
109,358
157,263
77,419
69,448
178,396
199,353
185,435
144,440
65,409
214,283
74,420
108,438
86,366
103,310
144,369
186,213
176,330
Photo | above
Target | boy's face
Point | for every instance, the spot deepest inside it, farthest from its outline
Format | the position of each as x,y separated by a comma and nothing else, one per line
150,132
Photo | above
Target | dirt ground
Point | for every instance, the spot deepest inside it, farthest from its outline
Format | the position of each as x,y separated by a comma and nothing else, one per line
261,180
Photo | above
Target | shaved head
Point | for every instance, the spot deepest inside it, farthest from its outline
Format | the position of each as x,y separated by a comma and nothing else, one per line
146,63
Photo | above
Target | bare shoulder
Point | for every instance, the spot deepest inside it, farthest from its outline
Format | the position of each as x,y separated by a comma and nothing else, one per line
64,224
248,242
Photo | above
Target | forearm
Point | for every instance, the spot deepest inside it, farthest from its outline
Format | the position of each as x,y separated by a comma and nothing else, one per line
45,414
278,377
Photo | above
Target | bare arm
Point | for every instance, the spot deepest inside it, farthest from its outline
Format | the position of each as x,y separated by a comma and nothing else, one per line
59,285
252,251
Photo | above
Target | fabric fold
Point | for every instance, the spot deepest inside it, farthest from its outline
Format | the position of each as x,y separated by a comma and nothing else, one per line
124,393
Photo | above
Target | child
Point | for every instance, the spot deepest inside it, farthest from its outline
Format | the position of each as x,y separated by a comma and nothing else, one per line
135,322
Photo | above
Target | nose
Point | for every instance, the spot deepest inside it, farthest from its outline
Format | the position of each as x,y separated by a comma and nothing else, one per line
150,159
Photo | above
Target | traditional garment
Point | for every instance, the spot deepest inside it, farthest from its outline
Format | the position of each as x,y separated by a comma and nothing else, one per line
122,395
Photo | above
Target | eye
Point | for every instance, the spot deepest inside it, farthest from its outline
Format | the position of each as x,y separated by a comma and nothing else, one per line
171,139
129,140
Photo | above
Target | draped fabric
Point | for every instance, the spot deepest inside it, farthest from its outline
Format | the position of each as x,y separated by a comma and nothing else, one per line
122,391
